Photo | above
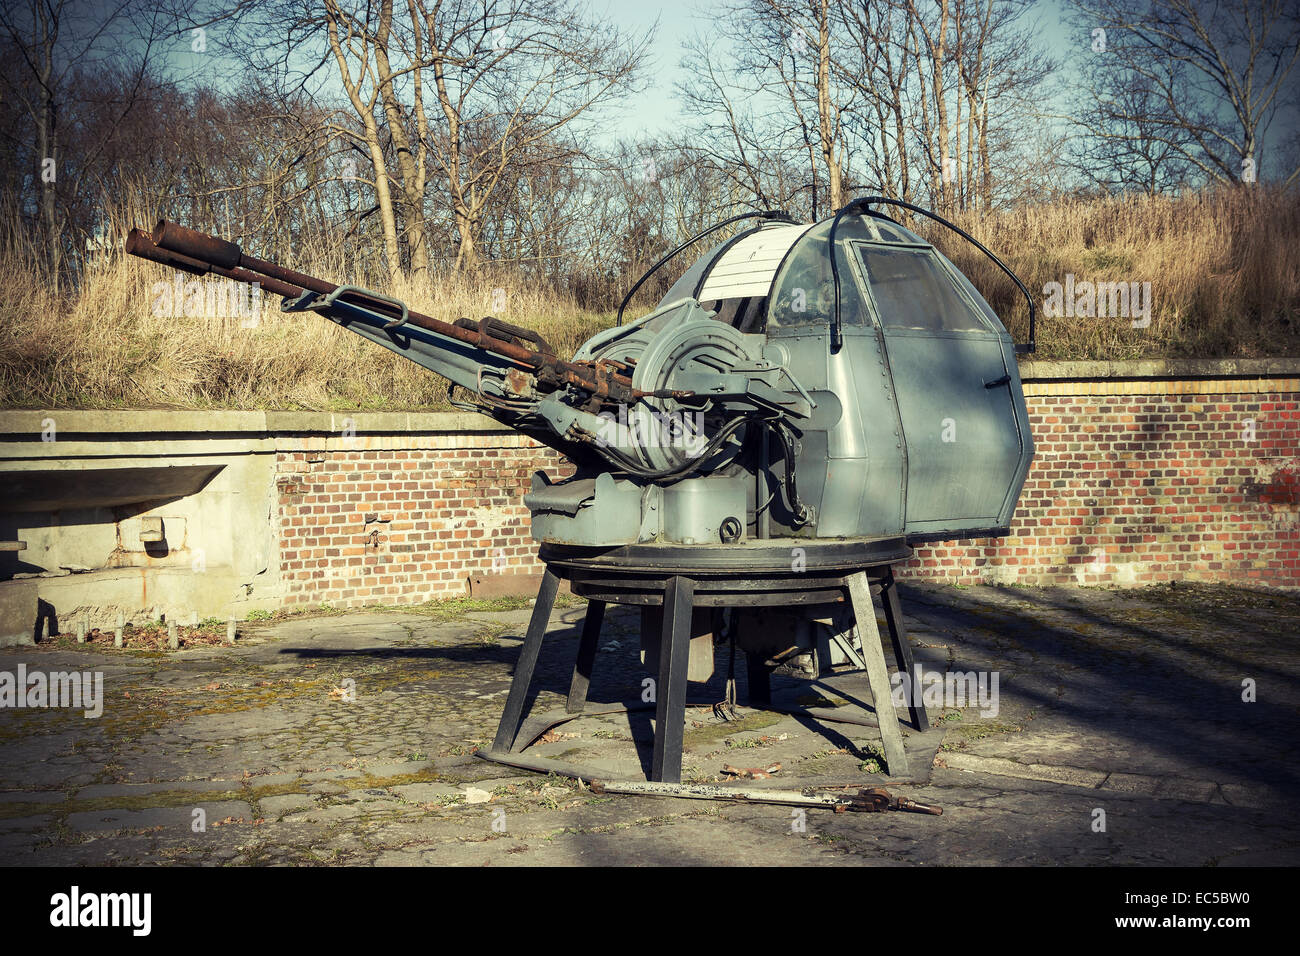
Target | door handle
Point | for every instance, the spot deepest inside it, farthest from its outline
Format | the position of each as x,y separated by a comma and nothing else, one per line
1004,380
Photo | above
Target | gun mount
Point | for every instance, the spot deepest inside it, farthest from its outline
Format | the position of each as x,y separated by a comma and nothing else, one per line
776,391
835,391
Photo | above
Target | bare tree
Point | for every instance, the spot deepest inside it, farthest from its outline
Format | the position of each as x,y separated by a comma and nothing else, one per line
54,40
352,42
782,96
1197,79
508,78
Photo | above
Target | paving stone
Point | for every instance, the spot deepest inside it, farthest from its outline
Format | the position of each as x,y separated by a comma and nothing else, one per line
180,818
135,791
426,792
1240,795
37,822
32,796
1073,776
1131,783
1126,700
278,806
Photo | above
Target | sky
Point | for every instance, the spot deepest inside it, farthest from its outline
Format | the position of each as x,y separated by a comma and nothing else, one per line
677,20
674,21
656,110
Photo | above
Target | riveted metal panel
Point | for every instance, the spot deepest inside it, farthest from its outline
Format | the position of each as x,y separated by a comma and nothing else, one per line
964,448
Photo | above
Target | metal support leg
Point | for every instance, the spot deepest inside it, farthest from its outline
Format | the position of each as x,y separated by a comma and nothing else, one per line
586,657
670,691
514,712
902,649
873,652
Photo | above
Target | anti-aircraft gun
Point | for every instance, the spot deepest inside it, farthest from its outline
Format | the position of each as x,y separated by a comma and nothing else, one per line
776,391
838,391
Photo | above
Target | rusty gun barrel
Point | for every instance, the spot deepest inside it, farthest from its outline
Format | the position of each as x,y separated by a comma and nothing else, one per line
138,243
183,248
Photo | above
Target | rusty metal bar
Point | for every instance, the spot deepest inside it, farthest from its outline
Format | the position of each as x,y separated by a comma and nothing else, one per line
192,251
139,244
873,800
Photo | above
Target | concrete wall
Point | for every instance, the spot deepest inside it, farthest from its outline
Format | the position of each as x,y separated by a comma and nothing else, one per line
80,490
1146,472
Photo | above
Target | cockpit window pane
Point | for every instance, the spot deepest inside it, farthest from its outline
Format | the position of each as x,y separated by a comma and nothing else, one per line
803,294
913,290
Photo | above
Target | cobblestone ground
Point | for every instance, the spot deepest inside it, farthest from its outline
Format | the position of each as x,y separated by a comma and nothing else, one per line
349,739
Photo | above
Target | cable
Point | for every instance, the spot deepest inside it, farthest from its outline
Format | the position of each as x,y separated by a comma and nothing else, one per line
677,471
862,202
785,435
774,215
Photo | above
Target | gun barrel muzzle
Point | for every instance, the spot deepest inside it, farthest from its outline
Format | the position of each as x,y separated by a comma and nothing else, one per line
196,245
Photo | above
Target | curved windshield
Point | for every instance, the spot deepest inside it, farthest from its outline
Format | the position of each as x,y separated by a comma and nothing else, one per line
971,291
913,289
803,294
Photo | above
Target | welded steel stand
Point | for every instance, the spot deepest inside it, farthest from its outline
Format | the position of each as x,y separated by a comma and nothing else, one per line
681,580
514,712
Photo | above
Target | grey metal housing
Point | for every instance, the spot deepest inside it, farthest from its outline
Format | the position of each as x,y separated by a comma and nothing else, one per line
916,426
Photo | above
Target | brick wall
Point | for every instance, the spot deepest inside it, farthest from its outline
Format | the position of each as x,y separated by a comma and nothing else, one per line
403,519
1141,482
1135,482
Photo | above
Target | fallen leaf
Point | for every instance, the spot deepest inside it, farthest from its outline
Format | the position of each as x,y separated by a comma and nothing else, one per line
751,773
551,736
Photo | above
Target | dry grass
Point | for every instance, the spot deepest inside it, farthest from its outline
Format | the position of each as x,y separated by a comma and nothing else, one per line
104,346
1224,268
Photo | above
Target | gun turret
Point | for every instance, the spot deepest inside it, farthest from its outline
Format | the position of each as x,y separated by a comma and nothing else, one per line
834,380
673,395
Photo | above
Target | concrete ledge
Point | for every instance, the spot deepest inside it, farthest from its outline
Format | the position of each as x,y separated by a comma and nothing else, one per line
206,422
1044,371
29,424
382,422
1165,786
